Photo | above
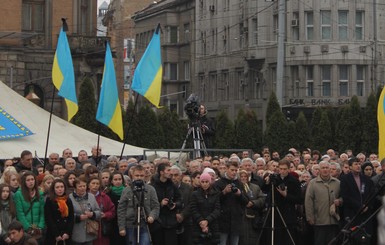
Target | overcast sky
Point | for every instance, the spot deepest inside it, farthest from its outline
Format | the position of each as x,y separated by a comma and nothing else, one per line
101,1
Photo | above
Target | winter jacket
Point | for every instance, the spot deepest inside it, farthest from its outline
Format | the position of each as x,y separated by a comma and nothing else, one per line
320,195
56,224
79,232
205,205
108,208
27,214
127,209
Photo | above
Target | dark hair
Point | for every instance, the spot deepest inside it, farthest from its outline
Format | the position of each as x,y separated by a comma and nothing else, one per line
137,168
284,162
12,208
25,153
232,163
52,194
161,167
195,174
78,180
93,178
15,225
24,188
115,173
67,175
90,170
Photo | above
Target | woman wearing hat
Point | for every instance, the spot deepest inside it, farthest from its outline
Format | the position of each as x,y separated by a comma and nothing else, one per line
205,211
253,209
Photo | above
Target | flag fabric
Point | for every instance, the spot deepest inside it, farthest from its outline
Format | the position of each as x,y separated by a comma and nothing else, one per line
381,125
63,75
109,111
10,128
148,74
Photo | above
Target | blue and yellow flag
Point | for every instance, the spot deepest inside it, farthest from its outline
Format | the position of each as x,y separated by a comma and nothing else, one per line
109,111
63,75
381,125
10,128
148,74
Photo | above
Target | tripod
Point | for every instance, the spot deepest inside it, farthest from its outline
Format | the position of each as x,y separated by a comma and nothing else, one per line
141,215
271,210
199,143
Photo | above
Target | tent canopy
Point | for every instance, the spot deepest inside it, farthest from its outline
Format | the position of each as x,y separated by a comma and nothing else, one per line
62,134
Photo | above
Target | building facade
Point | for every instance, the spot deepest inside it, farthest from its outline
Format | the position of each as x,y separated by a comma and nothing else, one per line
332,51
28,36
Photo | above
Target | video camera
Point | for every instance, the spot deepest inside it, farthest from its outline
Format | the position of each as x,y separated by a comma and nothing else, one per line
192,107
138,185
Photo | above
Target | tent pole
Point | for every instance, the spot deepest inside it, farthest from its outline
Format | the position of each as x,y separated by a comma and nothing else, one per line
49,126
129,125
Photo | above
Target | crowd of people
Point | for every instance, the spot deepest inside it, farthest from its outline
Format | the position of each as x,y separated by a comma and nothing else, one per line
245,198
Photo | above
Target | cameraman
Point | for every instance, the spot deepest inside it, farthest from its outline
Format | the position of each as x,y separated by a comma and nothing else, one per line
233,201
287,193
138,193
207,126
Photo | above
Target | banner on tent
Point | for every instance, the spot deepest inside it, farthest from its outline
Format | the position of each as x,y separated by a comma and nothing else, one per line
10,128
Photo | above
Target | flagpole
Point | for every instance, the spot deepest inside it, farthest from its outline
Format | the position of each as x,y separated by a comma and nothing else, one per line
49,126
130,121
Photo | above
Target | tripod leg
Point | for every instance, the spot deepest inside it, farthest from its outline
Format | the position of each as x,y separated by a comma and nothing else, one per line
284,224
263,226
184,143
197,145
202,141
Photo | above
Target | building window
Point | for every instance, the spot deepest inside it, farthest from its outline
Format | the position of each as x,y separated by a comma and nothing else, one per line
326,80
172,34
309,81
343,25
309,25
359,30
274,79
275,27
295,80
295,25
344,79
171,71
201,79
360,80
213,87
187,70
186,28
33,16
255,31
226,86
326,28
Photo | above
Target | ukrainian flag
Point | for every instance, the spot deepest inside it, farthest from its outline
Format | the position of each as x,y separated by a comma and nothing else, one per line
109,111
63,75
381,125
148,74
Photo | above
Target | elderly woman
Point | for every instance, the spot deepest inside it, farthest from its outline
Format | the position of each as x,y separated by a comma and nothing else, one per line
86,209
253,209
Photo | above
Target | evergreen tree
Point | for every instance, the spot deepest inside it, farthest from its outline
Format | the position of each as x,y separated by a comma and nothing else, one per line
302,138
86,116
224,134
130,123
316,118
173,129
276,133
272,107
149,133
370,126
248,131
323,136
291,135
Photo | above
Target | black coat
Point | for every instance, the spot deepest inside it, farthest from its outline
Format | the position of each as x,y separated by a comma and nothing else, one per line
232,207
167,217
56,225
186,192
205,206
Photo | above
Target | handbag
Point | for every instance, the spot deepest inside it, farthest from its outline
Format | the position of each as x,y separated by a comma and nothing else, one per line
106,228
92,227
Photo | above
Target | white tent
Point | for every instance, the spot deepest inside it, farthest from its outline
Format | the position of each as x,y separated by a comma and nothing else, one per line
63,134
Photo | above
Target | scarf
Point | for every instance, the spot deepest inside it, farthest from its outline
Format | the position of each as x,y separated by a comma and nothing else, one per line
63,208
117,190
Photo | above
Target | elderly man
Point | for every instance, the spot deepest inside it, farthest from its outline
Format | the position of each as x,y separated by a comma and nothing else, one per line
335,170
247,165
97,159
322,193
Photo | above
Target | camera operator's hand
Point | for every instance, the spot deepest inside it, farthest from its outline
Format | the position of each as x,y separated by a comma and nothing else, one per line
150,220
227,189
238,193
267,179
122,232
203,224
204,128
283,192
164,202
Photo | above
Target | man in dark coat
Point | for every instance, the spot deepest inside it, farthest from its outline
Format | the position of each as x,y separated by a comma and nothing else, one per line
356,189
163,230
233,201
18,236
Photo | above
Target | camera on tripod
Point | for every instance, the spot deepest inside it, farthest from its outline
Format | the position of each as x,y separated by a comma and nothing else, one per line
138,185
274,179
192,107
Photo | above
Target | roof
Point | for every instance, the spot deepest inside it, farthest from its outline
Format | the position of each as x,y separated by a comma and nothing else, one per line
62,134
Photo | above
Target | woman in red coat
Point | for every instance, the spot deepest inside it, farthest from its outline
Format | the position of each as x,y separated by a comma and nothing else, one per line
107,208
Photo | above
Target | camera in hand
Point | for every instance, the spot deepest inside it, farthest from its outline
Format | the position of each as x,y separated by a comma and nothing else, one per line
282,186
192,107
206,235
234,188
170,204
138,185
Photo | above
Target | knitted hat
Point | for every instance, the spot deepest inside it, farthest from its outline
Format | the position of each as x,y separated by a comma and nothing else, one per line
205,176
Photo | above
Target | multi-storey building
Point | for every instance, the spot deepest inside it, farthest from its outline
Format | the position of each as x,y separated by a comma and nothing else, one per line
332,51
28,36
